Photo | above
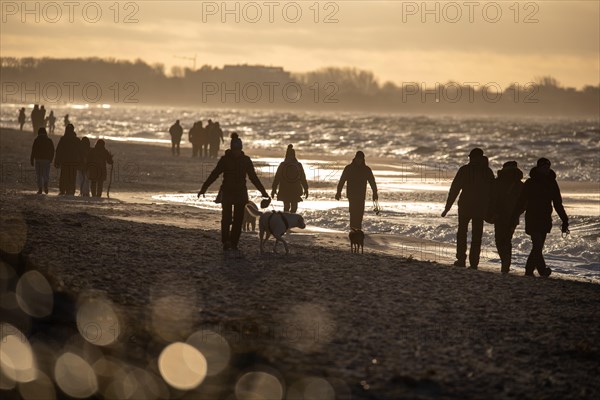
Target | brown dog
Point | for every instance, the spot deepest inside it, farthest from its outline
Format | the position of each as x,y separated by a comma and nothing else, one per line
357,240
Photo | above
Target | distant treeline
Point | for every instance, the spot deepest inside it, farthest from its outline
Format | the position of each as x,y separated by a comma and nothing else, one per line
95,80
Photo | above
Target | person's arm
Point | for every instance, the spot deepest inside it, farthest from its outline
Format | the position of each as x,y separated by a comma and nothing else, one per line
373,184
341,183
254,179
276,180
558,206
303,180
455,188
32,151
212,177
52,152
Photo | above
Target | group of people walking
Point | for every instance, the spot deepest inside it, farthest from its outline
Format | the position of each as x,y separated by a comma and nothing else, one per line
205,140
39,119
501,200
76,159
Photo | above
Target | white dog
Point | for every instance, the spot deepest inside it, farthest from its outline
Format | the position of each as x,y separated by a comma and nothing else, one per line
276,223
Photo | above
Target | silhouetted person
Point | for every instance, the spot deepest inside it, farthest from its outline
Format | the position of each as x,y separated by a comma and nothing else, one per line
291,181
234,166
67,159
43,116
66,120
540,192
35,118
176,131
474,183
506,190
22,118
96,167
51,122
195,136
208,133
357,174
214,140
84,182
42,154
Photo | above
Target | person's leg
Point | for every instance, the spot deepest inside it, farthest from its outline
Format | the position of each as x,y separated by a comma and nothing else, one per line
38,175
476,234
286,206
172,147
357,210
93,188
46,174
62,179
99,186
226,218
294,207
461,238
533,260
72,180
178,147
500,236
236,228
541,263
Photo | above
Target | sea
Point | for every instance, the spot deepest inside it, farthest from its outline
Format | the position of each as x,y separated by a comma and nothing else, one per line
416,159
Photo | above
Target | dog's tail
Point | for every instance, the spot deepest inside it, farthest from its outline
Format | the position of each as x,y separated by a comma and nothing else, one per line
253,209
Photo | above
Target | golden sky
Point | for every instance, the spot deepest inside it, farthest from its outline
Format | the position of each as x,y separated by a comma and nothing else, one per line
400,41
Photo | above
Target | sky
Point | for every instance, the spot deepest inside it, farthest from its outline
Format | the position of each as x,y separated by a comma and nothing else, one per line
400,41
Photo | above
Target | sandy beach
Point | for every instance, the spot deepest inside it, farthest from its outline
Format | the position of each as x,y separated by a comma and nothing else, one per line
318,323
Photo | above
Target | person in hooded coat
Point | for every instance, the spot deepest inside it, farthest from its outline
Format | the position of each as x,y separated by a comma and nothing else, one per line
42,154
196,136
68,152
506,190
35,118
474,183
234,166
357,174
98,157
51,122
215,140
176,131
84,182
290,179
22,119
540,192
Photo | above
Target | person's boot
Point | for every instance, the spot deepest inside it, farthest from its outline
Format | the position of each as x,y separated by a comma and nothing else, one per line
546,273
39,191
46,189
459,263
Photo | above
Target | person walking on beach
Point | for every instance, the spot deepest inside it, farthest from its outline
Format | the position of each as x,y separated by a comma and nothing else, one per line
176,131
84,182
96,166
22,118
67,159
43,116
209,132
506,190
66,120
35,118
357,174
540,192
215,139
51,123
42,154
290,179
474,183
195,136
234,166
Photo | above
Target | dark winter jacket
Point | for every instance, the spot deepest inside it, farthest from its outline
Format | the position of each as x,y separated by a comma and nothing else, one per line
506,190
197,135
43,148
176,131
540,193
357,174
291,181
234,170
98,157
68,150
474,183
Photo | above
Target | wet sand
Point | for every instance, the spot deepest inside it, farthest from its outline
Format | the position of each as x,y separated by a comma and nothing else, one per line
373,326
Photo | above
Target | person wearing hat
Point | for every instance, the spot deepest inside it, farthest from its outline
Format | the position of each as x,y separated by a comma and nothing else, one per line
506,190
474,183
176,131
540,193
96,170
234,166
67,158
291,181
357,174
